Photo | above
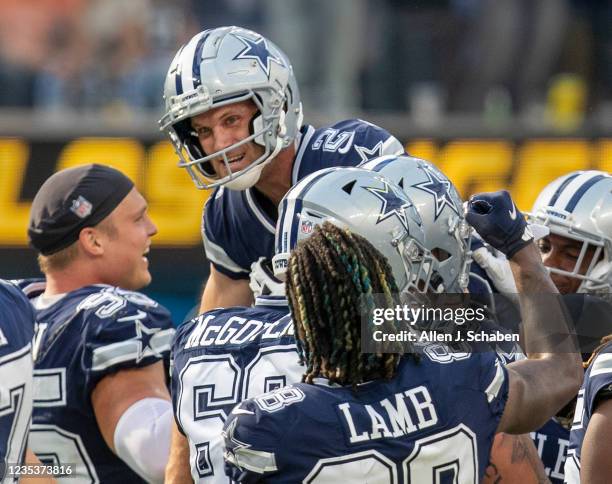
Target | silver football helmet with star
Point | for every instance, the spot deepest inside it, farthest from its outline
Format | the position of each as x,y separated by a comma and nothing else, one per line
579,206
222,66
447,234
369,205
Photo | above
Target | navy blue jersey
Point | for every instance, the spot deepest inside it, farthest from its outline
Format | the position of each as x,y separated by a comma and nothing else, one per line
237,229
598,378
552,441
219,359
16,387
82,337
432,421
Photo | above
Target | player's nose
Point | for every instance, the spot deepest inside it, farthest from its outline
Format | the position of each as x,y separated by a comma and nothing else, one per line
550,259
151,227
222,138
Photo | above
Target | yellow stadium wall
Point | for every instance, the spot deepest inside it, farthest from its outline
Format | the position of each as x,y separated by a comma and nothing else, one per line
522,166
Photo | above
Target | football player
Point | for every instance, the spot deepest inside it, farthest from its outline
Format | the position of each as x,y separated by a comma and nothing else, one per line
575,207
220,358
101,403
588,457
448,236
275,357
375,428
234,115
16,387
578,252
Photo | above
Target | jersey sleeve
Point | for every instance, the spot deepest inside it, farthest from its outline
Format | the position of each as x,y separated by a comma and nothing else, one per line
218,240
177,363
251,438
17,318
379,141
599,379
128,330
494,382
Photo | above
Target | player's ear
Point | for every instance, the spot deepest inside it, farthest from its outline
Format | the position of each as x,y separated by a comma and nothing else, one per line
91,241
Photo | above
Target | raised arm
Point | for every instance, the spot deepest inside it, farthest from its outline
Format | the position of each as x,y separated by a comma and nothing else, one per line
552,374
222,291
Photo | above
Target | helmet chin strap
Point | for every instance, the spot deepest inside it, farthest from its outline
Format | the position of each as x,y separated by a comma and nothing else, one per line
601,271
251,177
248,179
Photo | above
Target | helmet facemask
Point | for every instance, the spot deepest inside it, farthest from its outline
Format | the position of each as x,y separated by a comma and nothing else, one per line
198,164
419,267
217,68
596,277
447,233
412,263
578,206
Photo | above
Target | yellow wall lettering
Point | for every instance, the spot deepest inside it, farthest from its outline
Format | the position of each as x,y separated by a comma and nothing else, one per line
477,165
604,155
175,203
541,161
14,215
422,148
125,154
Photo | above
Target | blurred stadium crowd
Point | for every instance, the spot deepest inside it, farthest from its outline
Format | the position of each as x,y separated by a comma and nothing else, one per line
499,57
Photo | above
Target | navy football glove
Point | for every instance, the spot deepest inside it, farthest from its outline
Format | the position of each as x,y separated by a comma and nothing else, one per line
496,218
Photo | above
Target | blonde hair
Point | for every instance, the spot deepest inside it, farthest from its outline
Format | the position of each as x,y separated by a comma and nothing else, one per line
61,259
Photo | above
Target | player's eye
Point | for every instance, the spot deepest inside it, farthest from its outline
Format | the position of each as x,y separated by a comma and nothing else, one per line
544,246
572,254
231,120
202,132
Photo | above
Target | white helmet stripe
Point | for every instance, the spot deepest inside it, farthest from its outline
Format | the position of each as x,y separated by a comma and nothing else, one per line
197,59
286,237
560,189
377,164
186,64
178,85
572,188
571,205
292,207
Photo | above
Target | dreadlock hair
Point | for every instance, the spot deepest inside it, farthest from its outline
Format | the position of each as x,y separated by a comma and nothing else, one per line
604,342
331,276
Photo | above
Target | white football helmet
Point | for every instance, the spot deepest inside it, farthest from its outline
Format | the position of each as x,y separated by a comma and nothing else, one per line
223,66
369,205
447,234
579,206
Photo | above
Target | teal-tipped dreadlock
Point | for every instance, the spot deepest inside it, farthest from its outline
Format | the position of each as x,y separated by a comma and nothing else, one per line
333,276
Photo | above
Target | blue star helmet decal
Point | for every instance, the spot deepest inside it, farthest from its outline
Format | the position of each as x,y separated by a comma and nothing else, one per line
258,50
440,189
394,203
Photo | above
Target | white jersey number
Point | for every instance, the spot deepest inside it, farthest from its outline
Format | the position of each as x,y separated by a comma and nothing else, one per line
211,383
449,456
15,404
